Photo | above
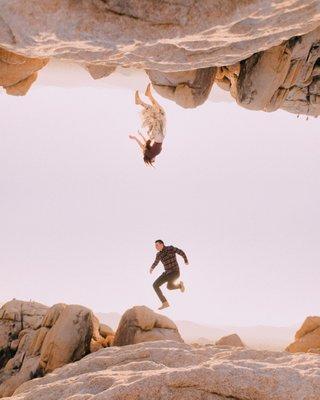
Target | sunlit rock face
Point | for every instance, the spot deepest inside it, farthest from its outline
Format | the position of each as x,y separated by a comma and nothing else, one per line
307,338
17,73
140,324
230,340
266,53
286,76
168,370
36,339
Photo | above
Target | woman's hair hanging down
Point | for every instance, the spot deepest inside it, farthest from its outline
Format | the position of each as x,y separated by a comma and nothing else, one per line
147,159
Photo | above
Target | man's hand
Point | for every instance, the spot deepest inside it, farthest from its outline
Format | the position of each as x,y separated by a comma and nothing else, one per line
151,269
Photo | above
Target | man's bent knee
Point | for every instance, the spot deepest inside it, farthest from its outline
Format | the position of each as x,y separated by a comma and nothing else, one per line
171,286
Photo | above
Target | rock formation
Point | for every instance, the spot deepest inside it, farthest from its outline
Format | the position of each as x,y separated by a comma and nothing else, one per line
265,53
140,324
230,340
17,73
35,339
187,88
173,371
307,338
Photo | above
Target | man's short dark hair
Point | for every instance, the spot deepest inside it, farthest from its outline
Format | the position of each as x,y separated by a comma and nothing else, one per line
159,241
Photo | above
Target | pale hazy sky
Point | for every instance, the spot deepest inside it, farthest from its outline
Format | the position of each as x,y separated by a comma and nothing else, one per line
237,190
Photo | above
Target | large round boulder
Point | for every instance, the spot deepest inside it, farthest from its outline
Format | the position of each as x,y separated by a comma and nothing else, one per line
230,340
140,324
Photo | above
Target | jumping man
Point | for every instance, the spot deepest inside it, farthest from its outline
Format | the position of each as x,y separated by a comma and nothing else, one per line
167,255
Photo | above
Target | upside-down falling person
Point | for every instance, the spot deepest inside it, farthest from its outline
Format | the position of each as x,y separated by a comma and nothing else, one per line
154,123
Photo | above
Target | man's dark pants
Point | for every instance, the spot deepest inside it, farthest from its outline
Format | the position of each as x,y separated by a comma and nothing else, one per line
169,278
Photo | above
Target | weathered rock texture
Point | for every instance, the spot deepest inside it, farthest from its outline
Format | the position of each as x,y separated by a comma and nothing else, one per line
285,76
35,339
188,88
140,324
266,53
230,340
167,370
17,73
307,338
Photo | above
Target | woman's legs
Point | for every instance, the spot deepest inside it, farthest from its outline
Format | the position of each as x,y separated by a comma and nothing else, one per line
139,102
151,98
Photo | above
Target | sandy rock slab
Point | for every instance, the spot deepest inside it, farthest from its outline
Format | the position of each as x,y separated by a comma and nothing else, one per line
163,35
167,370
266,53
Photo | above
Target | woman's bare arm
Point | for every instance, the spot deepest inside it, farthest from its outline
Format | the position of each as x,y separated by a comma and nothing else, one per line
143,138
141,145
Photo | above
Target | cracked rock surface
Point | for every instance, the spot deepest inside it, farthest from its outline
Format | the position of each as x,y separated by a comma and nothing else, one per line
167,370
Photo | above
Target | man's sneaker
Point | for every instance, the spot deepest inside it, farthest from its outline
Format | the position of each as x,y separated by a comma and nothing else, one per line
164,305
182,287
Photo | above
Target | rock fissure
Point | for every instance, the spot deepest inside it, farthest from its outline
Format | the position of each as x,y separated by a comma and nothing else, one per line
197,387
128,9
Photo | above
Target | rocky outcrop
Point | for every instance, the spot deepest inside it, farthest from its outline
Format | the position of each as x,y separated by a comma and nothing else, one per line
98,71
68,339
285,76
19,322
152,34
307,338
173,371
189,89
140,324
17,319
36,339
230,340
17,73
266,53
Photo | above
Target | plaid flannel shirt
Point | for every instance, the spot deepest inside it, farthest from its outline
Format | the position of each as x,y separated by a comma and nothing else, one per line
168,258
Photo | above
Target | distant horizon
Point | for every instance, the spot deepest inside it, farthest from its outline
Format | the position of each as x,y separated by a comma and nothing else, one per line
293,325
119,314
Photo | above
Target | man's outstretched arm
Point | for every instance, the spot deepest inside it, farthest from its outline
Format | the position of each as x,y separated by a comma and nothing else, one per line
155,263
182,254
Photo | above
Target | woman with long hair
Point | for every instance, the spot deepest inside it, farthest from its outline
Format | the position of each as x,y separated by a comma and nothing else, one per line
153,121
